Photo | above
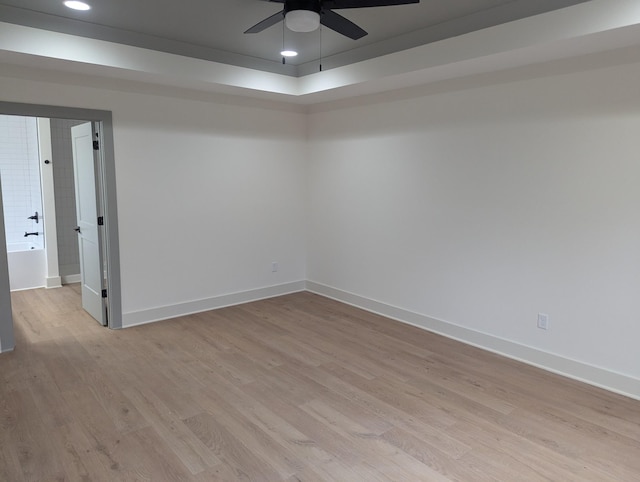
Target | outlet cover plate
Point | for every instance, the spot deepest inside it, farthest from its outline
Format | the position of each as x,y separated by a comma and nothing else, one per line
543,321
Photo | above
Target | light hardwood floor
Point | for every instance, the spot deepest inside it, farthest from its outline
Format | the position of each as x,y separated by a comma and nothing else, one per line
294,388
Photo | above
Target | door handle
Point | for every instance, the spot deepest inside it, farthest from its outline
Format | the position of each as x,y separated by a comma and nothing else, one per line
77,229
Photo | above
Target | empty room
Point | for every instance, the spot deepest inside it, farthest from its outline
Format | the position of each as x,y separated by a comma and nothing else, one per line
320,240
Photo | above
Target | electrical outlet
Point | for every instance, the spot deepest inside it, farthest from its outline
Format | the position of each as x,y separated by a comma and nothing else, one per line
274,266
543,321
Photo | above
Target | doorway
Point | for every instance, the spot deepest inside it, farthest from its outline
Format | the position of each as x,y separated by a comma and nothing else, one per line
104,177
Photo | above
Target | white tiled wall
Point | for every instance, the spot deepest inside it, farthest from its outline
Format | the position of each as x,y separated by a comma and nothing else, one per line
68,257
20,174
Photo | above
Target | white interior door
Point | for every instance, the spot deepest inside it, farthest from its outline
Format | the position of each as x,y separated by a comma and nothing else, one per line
89,239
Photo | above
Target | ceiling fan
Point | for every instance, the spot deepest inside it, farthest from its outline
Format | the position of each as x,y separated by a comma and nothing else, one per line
307,15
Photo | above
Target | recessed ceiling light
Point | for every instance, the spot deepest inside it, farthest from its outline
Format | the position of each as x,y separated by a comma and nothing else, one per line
288,53
77,5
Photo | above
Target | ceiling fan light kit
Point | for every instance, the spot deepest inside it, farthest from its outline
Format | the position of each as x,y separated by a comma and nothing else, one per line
302,20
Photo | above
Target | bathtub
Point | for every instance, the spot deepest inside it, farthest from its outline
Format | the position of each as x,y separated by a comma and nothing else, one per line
27,266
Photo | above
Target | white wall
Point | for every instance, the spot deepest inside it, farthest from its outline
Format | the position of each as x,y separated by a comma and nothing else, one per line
483,206
212,195
209,193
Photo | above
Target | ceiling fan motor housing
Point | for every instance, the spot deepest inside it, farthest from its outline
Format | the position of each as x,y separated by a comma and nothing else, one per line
310,5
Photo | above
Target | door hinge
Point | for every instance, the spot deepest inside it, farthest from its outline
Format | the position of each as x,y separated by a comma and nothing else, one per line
96,145
104,293
100,221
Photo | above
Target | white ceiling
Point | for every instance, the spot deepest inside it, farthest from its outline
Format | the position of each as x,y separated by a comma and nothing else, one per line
604,28
213,29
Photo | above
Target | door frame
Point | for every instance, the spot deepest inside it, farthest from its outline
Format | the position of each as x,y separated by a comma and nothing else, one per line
107,177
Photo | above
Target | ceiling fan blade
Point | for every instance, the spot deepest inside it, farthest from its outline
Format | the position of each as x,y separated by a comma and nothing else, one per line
337,4
341,25
267,22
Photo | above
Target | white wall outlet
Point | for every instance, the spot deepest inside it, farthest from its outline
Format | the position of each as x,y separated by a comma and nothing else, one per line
543,321
274,266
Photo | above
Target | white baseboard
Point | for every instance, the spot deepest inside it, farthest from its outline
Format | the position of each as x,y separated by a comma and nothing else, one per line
71,278
593,375
6,349
53,282
182,309
28,288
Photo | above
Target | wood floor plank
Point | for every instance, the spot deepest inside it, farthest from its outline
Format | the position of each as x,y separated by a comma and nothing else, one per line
263,433
30,440
295,388
48,398
257,440
153,375
341,381
608,452
175,434
154,459
96,432
430,455
387,392
245,464
123,413
317,439
9,463
64,373
524,455
400,463
10,468
249,419
79,462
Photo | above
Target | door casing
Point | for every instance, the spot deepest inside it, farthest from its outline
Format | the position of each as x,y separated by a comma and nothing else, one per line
108,179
